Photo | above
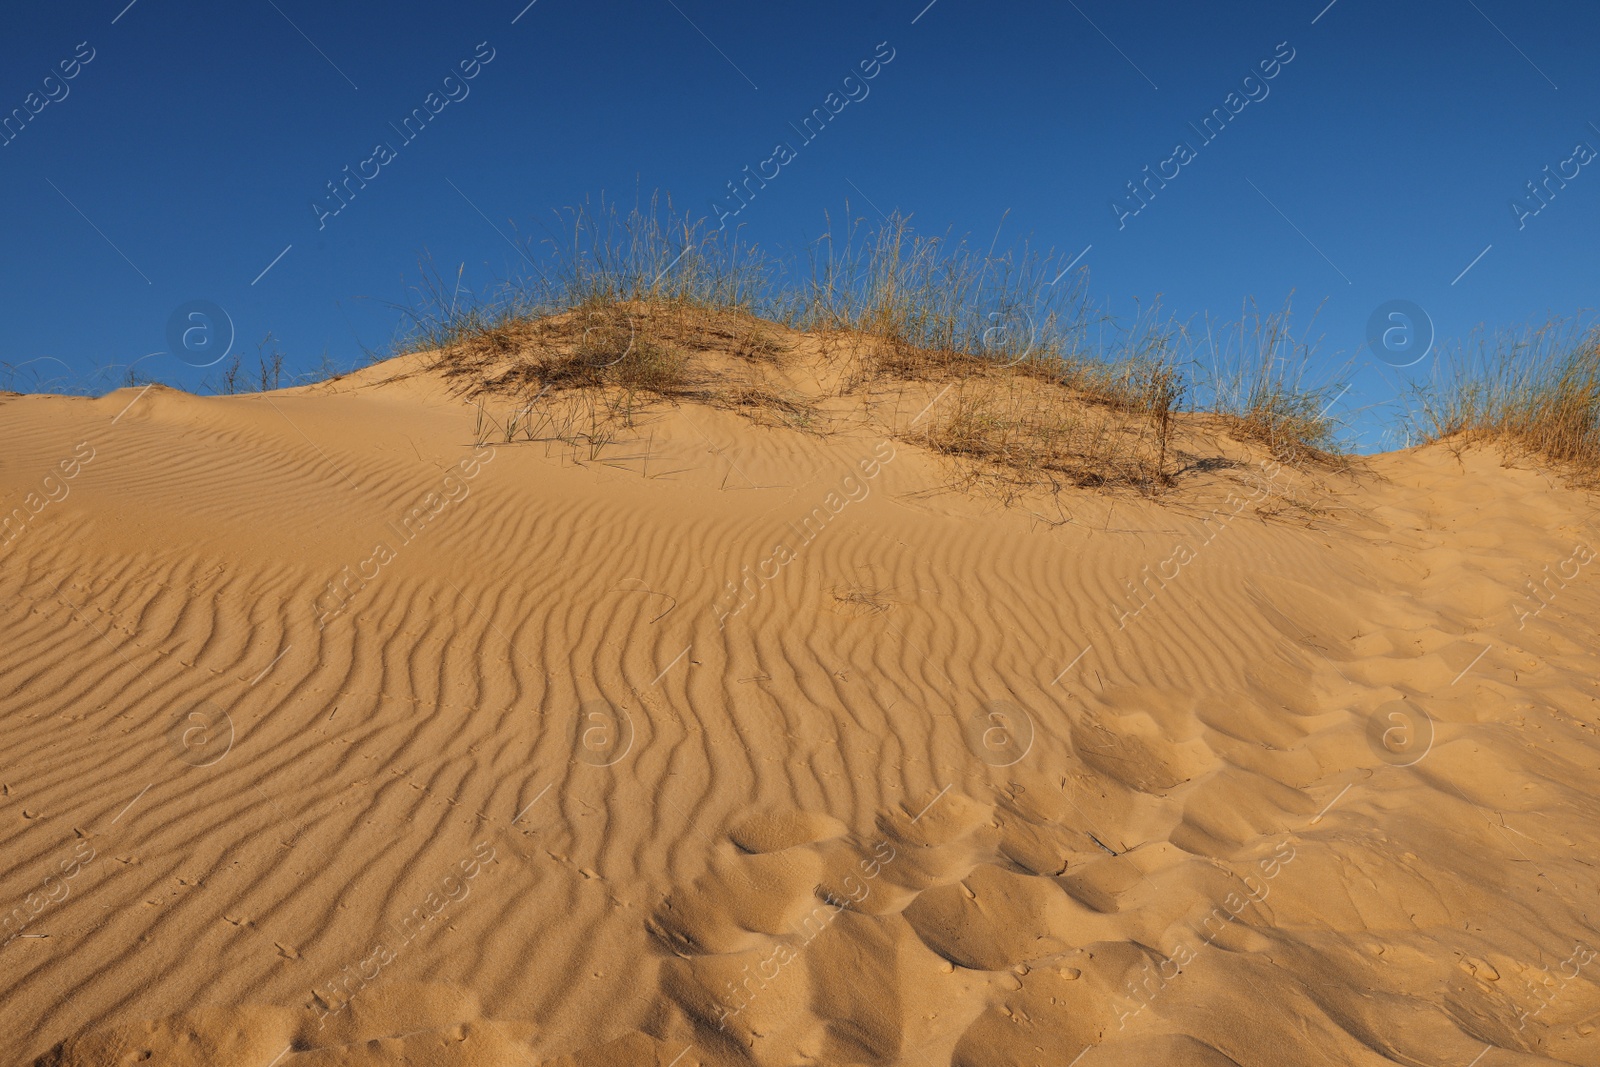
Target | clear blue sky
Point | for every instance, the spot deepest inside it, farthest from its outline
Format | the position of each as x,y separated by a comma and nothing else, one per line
185,156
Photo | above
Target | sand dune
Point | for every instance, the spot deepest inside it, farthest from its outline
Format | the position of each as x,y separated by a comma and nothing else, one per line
335,736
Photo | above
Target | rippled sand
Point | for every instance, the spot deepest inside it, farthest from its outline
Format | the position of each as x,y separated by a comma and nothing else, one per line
333,737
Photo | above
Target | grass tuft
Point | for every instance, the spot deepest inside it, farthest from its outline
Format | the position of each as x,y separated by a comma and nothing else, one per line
1257,383
1535,389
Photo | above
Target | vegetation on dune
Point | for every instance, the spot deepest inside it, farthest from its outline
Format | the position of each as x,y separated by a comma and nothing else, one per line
1535,390
1040,388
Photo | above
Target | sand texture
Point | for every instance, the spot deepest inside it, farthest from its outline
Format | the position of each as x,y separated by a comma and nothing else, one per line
333,736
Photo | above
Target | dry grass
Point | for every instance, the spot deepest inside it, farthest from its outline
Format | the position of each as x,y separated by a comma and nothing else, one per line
862,600
627,314
1536,390
1257,386
933,300
585,376
1045,391
1023,435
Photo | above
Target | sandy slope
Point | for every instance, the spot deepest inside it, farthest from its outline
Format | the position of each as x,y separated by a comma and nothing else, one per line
746,745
